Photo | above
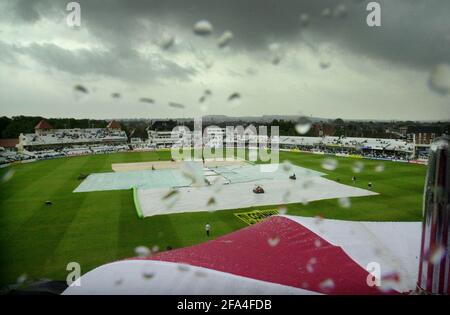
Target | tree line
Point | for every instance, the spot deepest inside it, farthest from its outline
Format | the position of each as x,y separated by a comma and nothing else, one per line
12,127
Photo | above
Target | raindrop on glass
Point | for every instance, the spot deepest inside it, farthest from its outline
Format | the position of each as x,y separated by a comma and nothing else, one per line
211,202
327,285
439,79
358,147
142,251
275,52
167,41
340,11
357,167
317,243
170,194
80,89
194,172
208,62
22,278
304,19
200,274
324,64
225,39
318,219
146,100
307,184
276,60
304,201
8,175
310,265
344,202
379,168
329,164
378,251
176,105
437,255
389,282
217,184
234,99
273,241
147,273
282,209
251,71
203,28
206,94
326,12
286,195
183,267
287,166
303,125
80,92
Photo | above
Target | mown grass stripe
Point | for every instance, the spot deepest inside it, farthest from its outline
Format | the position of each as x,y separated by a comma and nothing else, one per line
101,227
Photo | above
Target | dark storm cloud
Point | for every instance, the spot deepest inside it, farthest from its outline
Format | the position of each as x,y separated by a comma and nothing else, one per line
6,53
84,61
412,33
27,10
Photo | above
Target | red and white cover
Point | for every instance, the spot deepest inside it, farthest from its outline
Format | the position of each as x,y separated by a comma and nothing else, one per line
280,255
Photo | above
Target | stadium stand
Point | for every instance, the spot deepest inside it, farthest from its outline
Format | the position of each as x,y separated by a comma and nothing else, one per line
344,142
46,143
389,149
72,136
163,139
46,137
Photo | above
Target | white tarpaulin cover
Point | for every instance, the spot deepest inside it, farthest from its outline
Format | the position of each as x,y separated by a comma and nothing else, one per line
240,195
310,256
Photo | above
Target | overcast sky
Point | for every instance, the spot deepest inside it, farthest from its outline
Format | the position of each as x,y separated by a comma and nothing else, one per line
333,67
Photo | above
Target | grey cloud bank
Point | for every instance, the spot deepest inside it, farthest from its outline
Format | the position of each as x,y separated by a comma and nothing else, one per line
117,47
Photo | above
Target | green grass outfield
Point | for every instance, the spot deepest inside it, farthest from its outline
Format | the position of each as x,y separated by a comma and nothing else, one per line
99,227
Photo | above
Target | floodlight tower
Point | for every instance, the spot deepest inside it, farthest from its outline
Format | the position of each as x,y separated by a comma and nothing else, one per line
434,264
